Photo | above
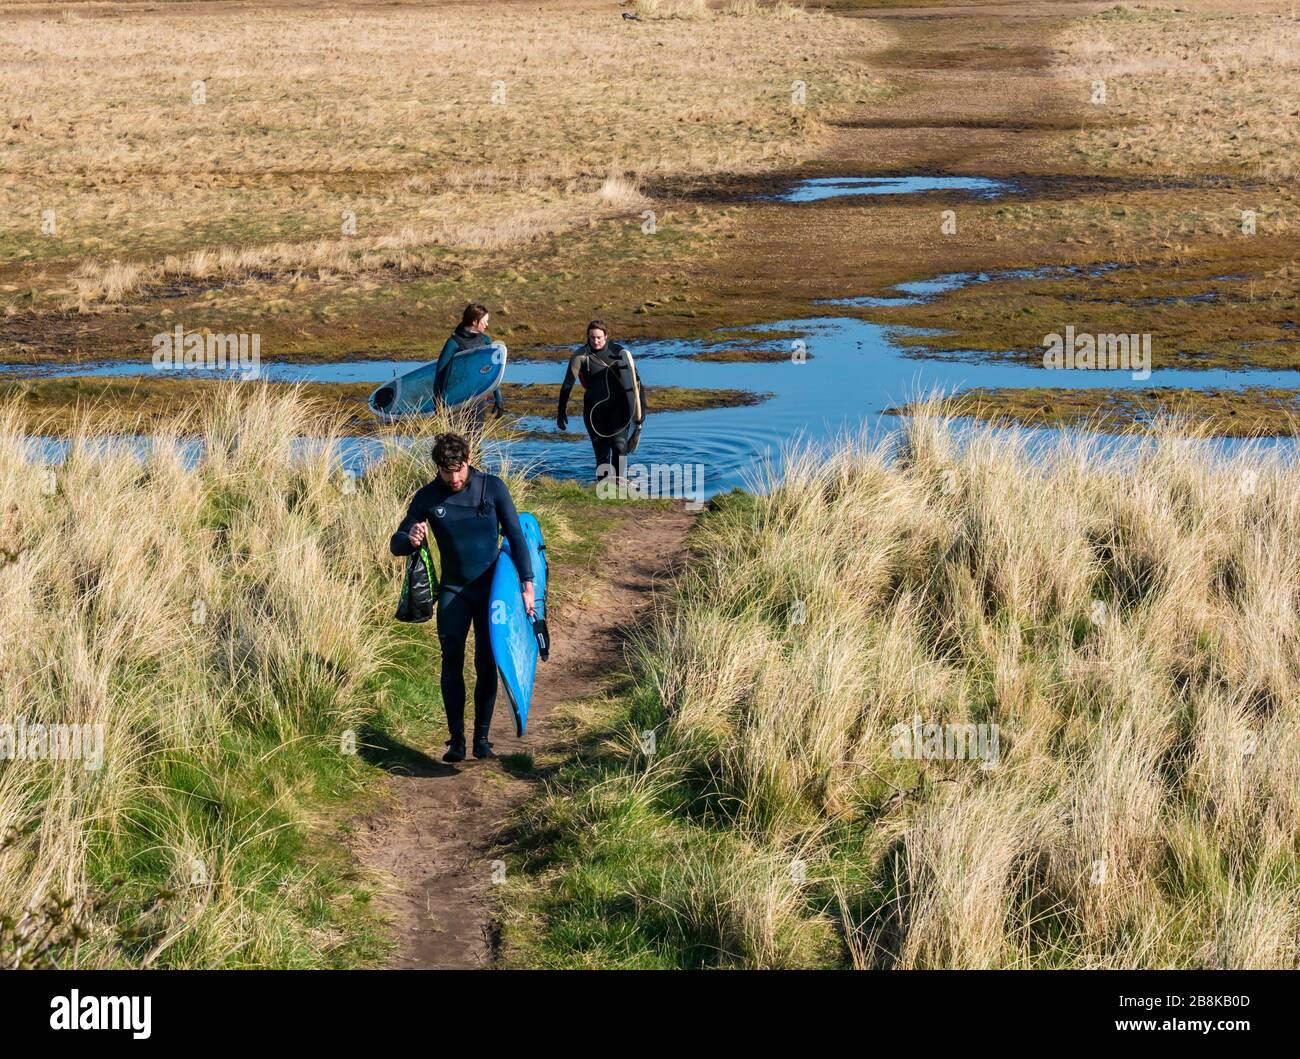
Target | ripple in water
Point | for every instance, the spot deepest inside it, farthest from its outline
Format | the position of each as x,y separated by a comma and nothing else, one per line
856,369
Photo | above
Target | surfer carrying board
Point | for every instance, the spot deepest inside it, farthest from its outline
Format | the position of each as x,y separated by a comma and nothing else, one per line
613,406
467,511
470,333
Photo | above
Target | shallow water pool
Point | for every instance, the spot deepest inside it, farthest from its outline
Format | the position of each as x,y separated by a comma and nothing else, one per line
817,189
854,370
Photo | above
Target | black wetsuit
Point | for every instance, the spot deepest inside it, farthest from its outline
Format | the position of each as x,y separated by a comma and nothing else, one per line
609,398
466,526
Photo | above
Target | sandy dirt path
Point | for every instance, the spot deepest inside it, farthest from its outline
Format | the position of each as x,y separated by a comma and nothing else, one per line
436,837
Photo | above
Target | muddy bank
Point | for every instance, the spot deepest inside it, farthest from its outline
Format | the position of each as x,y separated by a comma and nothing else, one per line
141,404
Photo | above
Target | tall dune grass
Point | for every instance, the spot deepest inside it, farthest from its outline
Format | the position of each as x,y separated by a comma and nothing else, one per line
1131,625
226,623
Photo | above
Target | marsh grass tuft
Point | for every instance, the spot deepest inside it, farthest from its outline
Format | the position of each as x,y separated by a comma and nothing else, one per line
218,605
1129,622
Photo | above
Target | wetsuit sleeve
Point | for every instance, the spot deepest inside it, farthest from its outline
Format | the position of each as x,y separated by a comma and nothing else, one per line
498,405
444,366
566,387
508,519
418,511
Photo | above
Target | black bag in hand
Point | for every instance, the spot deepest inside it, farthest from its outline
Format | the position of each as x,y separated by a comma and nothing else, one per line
420,588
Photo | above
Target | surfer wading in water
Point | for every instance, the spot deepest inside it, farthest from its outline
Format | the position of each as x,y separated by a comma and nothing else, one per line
467,512
470,333
613,407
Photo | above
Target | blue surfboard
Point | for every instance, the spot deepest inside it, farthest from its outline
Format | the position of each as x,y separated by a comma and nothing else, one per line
515,637
474,374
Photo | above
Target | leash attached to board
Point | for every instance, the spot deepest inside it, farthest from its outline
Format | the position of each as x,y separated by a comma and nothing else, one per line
540,630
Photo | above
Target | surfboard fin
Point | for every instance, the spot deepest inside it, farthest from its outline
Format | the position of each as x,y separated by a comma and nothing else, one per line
543,635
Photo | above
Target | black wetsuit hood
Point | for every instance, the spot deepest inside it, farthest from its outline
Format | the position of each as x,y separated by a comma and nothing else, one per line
467,339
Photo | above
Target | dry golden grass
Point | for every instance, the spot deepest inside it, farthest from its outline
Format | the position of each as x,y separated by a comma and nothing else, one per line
214,619
1129,225
1131,625
437,128
1189,91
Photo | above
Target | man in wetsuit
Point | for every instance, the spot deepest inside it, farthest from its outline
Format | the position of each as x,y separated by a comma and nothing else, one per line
467,511
613,405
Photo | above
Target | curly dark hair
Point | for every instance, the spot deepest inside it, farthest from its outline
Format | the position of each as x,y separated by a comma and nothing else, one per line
450,450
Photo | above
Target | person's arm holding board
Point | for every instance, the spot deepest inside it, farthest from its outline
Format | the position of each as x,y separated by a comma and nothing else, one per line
635,397
449,349
508,522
